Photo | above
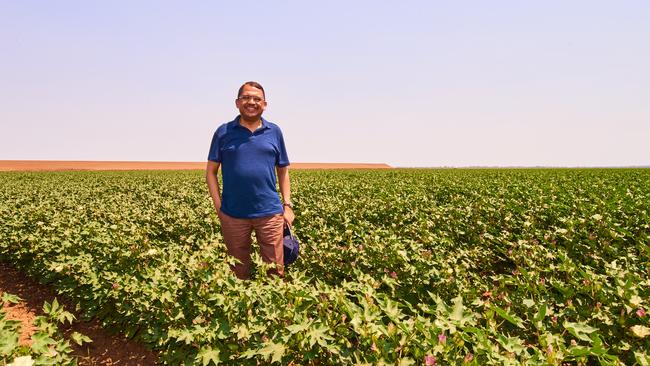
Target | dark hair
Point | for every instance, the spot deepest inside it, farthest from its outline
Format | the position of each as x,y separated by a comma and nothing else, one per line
254,84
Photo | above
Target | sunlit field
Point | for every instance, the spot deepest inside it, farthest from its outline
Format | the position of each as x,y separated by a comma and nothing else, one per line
399,266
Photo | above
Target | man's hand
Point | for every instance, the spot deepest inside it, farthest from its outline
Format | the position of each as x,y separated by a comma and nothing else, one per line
285,191
211,177
289,216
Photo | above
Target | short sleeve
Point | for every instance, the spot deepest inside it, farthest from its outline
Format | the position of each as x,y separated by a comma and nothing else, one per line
282,159
215,152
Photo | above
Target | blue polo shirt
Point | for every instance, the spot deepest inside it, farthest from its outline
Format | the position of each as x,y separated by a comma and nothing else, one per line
248,160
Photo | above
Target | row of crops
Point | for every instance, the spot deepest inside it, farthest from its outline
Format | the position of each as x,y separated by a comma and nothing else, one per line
46,344
403,267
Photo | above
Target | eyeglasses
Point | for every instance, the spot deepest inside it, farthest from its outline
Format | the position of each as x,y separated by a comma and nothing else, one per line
248,98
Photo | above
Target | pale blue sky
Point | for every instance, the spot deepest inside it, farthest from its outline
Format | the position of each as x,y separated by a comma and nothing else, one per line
409,83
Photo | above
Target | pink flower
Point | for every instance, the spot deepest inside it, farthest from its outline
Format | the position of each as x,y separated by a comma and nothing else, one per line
640,312
429,360
393,274
442,338
549,350
373,347
469,357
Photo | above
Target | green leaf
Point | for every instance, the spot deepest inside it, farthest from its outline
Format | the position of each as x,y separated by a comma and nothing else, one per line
528,302
541,313
208,355
513,319
64,315
406,362
9,298
579,330
597,345
319,335
275,350
47,308
635,301
580,351
297,328
392,310
642,358
41,342
80,339
8,342
457,312
185,336
224,330
52,309
512,344
166,297
242,332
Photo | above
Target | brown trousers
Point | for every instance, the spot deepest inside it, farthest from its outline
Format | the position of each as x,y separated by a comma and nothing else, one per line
237,236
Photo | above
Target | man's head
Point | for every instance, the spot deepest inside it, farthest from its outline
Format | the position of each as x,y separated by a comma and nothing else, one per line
251,101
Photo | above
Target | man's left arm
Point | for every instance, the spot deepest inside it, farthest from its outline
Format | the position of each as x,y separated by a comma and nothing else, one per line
285,191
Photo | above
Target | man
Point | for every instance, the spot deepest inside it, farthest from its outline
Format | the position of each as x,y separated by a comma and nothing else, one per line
250,150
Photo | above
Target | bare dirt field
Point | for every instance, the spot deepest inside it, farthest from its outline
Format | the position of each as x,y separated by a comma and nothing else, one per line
57,165
107,348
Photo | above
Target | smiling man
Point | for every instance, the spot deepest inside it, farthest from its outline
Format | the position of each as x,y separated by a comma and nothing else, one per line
251,153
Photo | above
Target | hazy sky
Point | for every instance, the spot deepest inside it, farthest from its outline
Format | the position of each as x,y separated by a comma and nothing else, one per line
408,83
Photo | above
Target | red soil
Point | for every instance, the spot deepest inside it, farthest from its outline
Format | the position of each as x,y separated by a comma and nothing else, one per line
53,165
105,349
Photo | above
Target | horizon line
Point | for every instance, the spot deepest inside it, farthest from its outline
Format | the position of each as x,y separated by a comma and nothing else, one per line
62,165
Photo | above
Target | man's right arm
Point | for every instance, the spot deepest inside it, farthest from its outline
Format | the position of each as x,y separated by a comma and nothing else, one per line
212,178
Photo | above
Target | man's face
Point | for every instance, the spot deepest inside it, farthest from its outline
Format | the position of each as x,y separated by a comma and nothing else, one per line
251,103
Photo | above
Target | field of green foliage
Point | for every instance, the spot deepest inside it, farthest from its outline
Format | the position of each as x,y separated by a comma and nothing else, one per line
398,267
47,344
